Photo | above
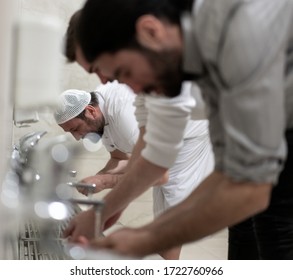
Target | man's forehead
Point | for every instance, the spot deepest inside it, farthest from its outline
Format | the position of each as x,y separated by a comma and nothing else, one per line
71,123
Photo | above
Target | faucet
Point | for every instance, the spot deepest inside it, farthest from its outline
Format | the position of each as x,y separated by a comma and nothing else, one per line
12,194
47,195
51,198
42,201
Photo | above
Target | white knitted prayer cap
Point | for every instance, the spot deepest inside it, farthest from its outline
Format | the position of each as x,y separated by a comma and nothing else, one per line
70,104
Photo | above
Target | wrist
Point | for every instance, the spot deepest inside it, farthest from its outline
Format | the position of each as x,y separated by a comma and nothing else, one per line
149,241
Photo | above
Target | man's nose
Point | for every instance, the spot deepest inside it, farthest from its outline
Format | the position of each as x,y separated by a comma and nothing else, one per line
136,87
102,78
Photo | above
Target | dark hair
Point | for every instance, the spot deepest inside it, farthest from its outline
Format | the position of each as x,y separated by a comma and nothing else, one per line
94,102
70,37
109,25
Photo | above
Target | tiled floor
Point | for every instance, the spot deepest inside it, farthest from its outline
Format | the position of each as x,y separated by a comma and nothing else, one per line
140,211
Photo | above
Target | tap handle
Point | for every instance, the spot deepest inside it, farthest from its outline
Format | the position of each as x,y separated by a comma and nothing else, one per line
72,173
89,187
97,204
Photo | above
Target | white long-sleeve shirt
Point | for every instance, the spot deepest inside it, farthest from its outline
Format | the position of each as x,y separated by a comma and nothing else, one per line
167,122
121,128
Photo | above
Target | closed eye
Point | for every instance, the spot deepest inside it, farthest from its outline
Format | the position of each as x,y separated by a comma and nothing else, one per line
73,129
121,74
117,74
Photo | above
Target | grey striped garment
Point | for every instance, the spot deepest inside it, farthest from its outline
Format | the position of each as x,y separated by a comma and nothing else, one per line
242,55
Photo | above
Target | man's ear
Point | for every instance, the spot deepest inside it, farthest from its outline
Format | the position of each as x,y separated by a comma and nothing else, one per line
151,32
90,112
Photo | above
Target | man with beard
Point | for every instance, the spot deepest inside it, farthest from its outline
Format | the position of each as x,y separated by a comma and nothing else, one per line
240,54
108,113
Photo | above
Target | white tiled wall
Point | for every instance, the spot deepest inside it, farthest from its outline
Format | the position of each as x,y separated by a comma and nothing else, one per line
72,75
7,12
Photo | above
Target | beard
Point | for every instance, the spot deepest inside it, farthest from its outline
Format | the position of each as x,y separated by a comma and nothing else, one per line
97,126
167,67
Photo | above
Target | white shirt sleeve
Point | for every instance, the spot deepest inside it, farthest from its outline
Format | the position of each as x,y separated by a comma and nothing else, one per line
166,122
199,111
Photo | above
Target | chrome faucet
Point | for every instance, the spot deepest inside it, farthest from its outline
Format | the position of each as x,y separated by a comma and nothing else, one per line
12,195
40,199
48,195
52,198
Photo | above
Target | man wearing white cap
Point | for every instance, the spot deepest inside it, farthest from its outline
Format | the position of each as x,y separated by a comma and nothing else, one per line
108,112
114,118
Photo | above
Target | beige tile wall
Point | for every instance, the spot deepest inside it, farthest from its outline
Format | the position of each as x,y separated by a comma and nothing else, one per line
72,75
7,16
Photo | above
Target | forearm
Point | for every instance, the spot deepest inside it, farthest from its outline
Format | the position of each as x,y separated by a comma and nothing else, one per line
141,175
109,181
114,166
214,205
102,182
140,144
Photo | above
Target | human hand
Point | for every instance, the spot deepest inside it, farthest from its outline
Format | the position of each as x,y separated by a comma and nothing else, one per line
97,180
83,224
112,220
126,241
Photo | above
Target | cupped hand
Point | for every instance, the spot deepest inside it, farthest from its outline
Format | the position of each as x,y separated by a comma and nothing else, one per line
126,241
83,224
